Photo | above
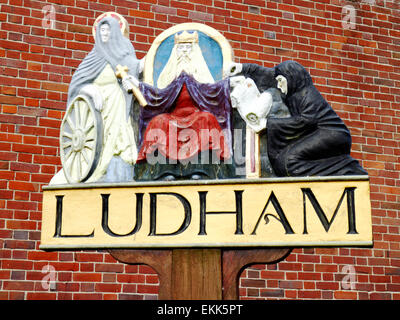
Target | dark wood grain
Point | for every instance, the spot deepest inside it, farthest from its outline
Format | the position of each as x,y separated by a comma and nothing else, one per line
199,274
196,274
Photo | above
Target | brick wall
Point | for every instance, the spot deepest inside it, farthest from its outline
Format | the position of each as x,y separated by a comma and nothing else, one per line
356,69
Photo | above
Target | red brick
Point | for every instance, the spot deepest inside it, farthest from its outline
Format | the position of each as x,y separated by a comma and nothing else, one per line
129,288
17,264
87,277
148,289
200,16
87,296
18,285
42,255
152,279
130,297
272,275
252,283
27,148
326,285
19,244
131,278
309,258
6,194
41,296
380,296
18,224
26,186
290,284
345,295
309,294
276,293
108,287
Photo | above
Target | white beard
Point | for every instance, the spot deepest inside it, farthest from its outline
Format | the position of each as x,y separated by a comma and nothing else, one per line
184,63
193,64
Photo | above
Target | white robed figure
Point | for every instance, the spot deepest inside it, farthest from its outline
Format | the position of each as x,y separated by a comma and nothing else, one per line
96,76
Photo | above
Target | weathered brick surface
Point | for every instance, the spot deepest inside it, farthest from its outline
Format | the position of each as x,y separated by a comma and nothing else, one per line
357,70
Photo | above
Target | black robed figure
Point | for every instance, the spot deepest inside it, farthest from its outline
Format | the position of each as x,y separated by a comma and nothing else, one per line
313,140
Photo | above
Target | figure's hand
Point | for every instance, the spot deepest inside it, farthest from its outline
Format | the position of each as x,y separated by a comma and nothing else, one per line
233,69
235,81
130,81
126,84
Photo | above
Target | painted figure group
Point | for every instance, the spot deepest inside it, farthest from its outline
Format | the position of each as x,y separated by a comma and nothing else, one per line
185,131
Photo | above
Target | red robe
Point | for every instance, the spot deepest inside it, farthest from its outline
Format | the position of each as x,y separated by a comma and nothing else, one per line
178,135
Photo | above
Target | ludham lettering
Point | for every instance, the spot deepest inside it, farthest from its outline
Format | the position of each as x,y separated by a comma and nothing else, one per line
203,215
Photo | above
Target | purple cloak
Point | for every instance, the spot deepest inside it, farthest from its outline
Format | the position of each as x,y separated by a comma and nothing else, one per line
209,97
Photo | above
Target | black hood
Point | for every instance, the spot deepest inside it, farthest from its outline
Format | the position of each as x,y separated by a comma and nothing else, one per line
297,76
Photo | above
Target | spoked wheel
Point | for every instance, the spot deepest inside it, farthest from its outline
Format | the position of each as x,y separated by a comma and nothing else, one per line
81,139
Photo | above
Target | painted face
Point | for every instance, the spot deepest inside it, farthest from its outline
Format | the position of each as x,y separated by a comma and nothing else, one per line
282,84
105,32
184,49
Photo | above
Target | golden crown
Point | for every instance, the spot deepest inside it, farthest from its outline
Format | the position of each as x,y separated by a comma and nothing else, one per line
185,37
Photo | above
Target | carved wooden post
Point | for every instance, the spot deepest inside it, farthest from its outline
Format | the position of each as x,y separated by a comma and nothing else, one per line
196,274
199,274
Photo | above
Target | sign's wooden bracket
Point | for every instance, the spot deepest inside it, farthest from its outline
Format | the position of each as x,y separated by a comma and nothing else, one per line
200,274
235,261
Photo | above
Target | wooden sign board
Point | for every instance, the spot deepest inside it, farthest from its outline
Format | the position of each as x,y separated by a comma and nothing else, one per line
319,211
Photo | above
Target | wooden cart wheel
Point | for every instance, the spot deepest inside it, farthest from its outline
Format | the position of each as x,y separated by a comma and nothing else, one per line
81,139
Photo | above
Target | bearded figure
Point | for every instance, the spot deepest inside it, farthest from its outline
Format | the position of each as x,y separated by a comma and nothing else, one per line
185,130
186,57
